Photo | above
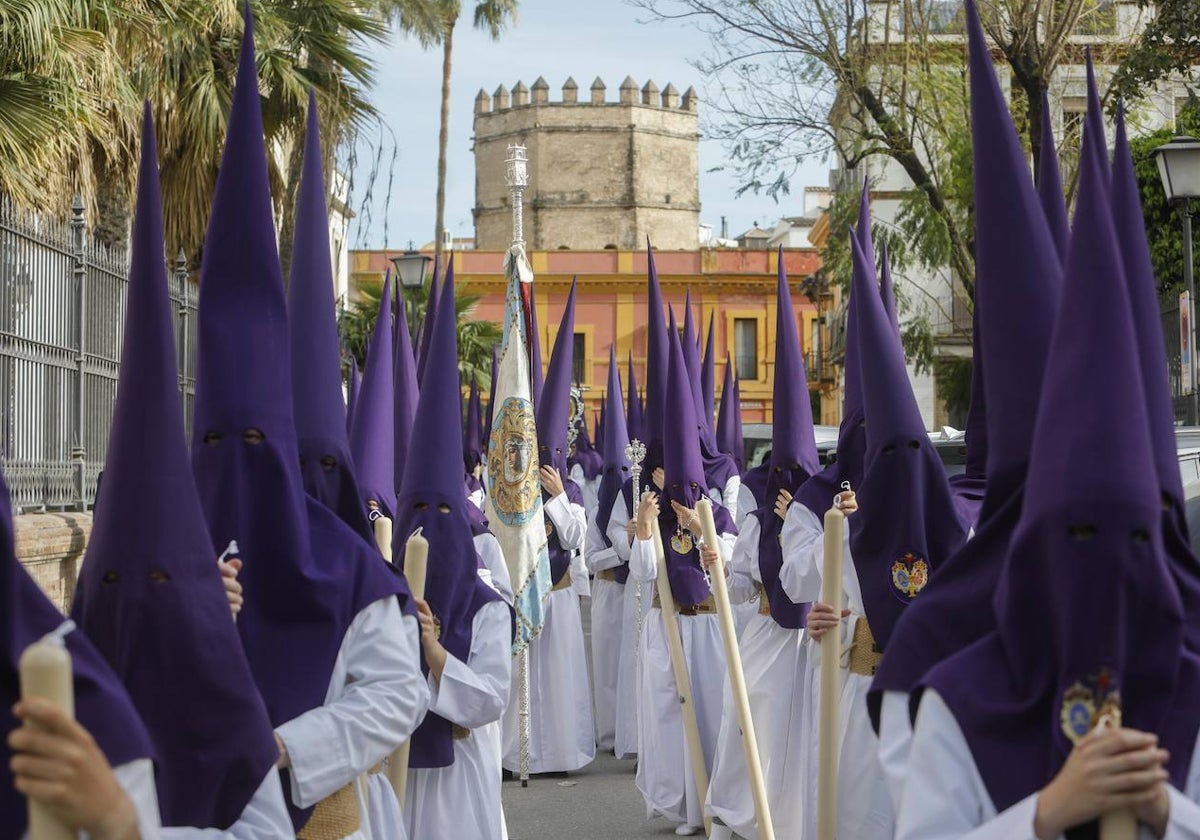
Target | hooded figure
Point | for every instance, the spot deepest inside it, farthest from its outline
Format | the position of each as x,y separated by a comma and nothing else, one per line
321,603
1016,289
102,705
708,373
607,568
150,596
657,350
1089,623
426,332
537,379
404,405
729,439
772,654
634,421
325,461
887,289
664,774
353,382
472,439
969,486
590,461
373,435
562,733
1049,185
722,474
453,786
598,435
1147,323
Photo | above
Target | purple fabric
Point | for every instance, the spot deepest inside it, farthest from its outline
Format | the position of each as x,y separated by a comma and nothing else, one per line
616,462
887,289
685,481
634,418
1067,616
657,352
1015,289
102,704
554,408
1049,185
149,596
598,437
897,545
708,373
719,467
1093,134
793,452
487,429
728,421
325,461
352,386
1135,254
310,575
431,498
536,378
404,401
472,439
373,435
589,460
425,334
970,486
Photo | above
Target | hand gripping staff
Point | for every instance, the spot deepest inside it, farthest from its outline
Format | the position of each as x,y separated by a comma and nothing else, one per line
737,678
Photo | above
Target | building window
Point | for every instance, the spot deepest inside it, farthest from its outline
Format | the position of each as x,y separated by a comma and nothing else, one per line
745,347
578,358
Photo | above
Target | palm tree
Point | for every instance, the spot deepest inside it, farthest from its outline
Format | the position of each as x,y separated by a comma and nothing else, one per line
432,22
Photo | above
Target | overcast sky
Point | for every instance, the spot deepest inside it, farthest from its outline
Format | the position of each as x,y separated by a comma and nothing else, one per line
552,38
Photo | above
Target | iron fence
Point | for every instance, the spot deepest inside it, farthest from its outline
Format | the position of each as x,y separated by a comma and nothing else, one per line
62,316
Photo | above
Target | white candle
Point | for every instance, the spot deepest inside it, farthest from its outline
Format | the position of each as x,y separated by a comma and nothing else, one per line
416,557
831,682
46,671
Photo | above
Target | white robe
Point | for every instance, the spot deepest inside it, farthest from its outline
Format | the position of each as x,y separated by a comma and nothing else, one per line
746,505
865,810
728,496
265,817
462,801
773,659
589,487
951,802
562,731
629,675
664,773
496,576
608,598
376,698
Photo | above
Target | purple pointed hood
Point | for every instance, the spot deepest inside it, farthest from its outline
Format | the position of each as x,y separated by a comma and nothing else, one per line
1094,132
1139,274
325,461
555,406
487,428
431,498
598,438
102,704
353,383
708,373
684,470
729,439
616,462
425,334
373,435
472,439
887,289
404,406
793,451
537,379
657,350
1049,184
1087,613
586,455
896,548
719,467
149,596
970,486
634,419
311,574
1016,290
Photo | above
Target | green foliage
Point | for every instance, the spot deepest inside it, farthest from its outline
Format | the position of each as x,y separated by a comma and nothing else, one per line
1169,45
1163,227
475,337
952,379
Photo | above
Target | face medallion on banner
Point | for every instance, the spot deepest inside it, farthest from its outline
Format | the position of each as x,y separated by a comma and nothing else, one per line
910,573
512,464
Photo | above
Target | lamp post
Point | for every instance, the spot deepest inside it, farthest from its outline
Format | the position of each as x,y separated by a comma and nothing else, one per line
1179,167
410,270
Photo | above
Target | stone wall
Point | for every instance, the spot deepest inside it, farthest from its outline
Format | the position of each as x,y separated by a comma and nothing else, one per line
602,174
51,546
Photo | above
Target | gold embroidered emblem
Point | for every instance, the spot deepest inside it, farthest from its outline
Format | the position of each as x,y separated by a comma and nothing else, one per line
910,573
1086,702
682,542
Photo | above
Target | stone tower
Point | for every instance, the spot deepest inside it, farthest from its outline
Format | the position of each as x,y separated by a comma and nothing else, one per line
602,173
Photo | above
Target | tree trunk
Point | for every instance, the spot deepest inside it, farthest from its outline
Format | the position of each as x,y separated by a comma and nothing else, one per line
291,190
443,141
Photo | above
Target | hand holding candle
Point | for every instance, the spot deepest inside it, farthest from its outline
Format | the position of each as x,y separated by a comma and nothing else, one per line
831,682
46,673
416,558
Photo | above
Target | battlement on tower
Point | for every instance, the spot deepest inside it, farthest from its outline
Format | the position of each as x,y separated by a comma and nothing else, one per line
538,95
604,172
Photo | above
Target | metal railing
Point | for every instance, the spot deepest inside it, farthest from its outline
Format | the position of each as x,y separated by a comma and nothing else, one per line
62,317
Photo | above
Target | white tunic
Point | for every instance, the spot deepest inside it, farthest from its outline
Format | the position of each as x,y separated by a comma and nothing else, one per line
562,732
728,496
864,806
629,676
376,698
462,801
265,817
746,505
607,630
664,773
589,487
496,576
951,802
773,659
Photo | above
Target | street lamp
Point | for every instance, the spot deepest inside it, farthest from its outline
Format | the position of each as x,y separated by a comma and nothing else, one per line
410,270
1179,168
